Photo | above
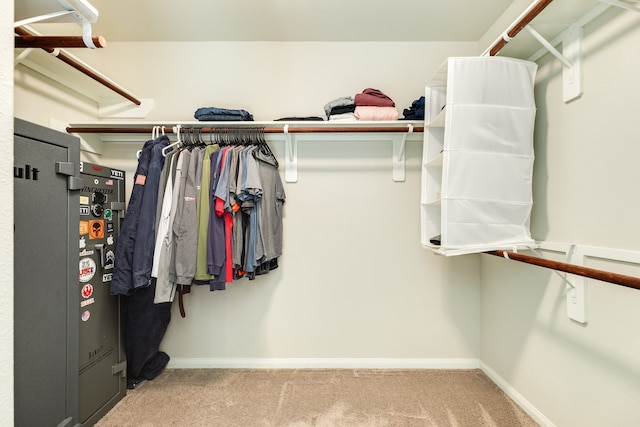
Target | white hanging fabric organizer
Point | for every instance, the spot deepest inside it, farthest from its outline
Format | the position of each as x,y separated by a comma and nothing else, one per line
478,161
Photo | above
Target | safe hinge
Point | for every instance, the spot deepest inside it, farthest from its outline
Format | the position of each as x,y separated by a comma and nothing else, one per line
117,206
65,168
69,169
120,368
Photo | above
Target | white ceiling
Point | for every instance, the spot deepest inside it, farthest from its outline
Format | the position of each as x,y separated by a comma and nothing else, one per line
310,20
285,20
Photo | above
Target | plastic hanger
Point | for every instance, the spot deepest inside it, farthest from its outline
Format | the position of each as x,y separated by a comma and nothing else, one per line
176,130
154,134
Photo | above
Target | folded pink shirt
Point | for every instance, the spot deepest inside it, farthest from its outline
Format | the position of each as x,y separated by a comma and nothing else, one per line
369,113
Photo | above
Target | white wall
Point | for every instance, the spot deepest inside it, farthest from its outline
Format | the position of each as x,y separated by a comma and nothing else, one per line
269,79
353,282
586,191
6,214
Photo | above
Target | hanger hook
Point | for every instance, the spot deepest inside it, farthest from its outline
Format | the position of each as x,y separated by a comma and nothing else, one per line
176,130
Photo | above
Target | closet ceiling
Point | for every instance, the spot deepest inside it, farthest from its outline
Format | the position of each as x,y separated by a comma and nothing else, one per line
293,20
313,20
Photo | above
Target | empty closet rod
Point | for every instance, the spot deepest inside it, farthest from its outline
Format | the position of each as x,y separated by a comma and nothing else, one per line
592,273
525,18
84,69
323,129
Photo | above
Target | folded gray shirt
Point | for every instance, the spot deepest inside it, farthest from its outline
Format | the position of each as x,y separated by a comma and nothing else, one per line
340,102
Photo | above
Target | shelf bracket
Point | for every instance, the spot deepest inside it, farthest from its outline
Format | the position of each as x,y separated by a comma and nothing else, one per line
86,33
22,56
576,287
399,150
622,4
571,58
549,46
291,156
572,76
39,18
69,10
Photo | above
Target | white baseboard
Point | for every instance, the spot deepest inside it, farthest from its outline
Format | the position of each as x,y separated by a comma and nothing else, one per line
517,397
319,363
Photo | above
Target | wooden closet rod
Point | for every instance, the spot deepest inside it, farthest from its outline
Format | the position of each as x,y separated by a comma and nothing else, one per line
71,129
83,69
591,273
33,41
523,21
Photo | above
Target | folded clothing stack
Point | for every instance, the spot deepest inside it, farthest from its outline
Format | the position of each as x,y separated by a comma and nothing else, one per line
215,114
340,109
416,111
374,105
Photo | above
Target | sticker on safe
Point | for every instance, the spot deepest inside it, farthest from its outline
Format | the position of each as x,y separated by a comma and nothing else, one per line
87,269
96,229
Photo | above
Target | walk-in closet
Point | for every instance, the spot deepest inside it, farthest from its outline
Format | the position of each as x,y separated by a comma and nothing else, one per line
337,213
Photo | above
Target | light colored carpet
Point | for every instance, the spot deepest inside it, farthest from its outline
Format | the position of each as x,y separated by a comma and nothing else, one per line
317,397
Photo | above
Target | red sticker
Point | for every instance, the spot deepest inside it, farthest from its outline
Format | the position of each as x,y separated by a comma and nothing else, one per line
87,290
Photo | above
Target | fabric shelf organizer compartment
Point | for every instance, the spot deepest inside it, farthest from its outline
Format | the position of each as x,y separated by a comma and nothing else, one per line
478,156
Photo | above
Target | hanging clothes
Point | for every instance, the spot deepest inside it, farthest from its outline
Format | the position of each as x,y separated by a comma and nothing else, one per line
186,221
202,274
218,213
206,214
165,289
145,323
216,237
273,198
122,280
145,232
134,252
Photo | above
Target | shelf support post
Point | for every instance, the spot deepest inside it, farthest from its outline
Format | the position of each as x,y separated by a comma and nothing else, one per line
399,150
572,76
576,287
291,156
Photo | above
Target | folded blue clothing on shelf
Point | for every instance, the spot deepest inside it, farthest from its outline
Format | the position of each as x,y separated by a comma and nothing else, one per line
416,111
220,118
221,114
